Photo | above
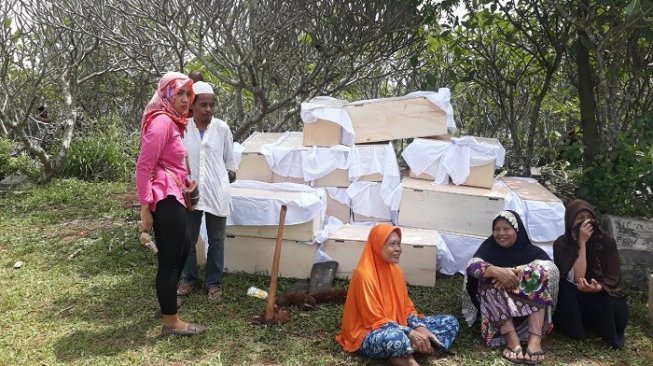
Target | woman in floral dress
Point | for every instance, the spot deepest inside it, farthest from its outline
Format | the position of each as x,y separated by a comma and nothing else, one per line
512,284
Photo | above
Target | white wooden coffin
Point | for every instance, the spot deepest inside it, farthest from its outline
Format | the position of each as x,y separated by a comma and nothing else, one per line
381,120
338,210
301,232
253,165
362,218
533,191
479,176
450,208
418,257
254,255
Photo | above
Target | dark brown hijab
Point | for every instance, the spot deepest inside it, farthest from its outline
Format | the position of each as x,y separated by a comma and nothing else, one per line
603,263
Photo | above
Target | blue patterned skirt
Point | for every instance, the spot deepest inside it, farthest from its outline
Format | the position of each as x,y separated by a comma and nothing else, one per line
392,340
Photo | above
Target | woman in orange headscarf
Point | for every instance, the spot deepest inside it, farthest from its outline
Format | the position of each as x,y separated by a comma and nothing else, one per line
379,319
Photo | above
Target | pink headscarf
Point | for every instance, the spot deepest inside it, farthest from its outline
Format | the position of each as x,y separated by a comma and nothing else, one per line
161,102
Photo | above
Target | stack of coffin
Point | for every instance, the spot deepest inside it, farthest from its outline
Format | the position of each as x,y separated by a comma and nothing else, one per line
329,122
428,213
281,157
252,228
462,212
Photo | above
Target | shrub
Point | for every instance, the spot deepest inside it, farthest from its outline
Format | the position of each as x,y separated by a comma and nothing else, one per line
106,155
12,163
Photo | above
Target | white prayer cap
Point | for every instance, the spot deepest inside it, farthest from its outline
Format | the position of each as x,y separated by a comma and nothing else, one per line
201,87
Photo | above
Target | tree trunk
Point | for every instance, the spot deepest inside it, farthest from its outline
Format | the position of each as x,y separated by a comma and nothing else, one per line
591,138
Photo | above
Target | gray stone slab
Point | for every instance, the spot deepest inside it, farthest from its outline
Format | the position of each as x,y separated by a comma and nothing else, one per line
629,233
635,243
15,182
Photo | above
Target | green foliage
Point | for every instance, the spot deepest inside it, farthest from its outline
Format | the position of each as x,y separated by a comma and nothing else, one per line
11,163
620,182
572,148
6,148
103,155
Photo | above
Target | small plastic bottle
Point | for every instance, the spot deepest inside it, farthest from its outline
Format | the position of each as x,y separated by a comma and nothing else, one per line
257,292
146,240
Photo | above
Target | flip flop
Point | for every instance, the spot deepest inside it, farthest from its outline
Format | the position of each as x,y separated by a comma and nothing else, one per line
517,350
532,354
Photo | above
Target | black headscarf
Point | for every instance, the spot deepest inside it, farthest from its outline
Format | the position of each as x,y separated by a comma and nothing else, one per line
601,251
522,252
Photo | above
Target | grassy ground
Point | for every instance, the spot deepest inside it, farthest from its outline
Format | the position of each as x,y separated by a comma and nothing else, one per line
85,296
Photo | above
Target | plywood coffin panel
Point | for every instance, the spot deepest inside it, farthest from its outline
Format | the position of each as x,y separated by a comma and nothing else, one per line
450,208
254,255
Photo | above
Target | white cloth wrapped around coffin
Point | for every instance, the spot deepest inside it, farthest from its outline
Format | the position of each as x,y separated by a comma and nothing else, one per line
312,163
444,159
256,206
542,212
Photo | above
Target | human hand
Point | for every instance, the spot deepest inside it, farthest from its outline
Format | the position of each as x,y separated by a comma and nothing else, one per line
420,339
232,176
519,272
592,286
147,221
585,232
505,278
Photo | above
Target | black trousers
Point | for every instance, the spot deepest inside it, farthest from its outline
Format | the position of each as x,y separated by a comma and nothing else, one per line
173,242
598,312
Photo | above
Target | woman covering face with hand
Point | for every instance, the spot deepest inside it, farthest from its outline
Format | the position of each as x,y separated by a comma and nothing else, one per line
512,284
379,319
591,297
161,174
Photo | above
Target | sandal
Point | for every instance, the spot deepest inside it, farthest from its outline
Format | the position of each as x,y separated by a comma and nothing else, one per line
531,355
507,351
214,293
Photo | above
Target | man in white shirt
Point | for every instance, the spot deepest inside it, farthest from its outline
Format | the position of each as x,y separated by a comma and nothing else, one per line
209,146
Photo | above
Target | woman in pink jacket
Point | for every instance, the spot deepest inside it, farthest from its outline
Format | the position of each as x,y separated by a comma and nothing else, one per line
161,175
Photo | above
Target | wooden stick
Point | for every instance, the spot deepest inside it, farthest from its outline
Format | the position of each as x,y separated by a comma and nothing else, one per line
272,294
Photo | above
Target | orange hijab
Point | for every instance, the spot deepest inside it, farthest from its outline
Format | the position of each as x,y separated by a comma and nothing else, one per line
377,293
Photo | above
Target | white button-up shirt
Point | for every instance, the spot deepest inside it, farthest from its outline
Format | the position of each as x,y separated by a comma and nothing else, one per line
209,158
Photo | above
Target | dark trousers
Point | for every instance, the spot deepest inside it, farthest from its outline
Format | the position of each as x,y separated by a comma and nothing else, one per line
173,242
216,231
578,312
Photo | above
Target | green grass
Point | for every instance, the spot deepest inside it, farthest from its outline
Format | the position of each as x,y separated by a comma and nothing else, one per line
85,296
